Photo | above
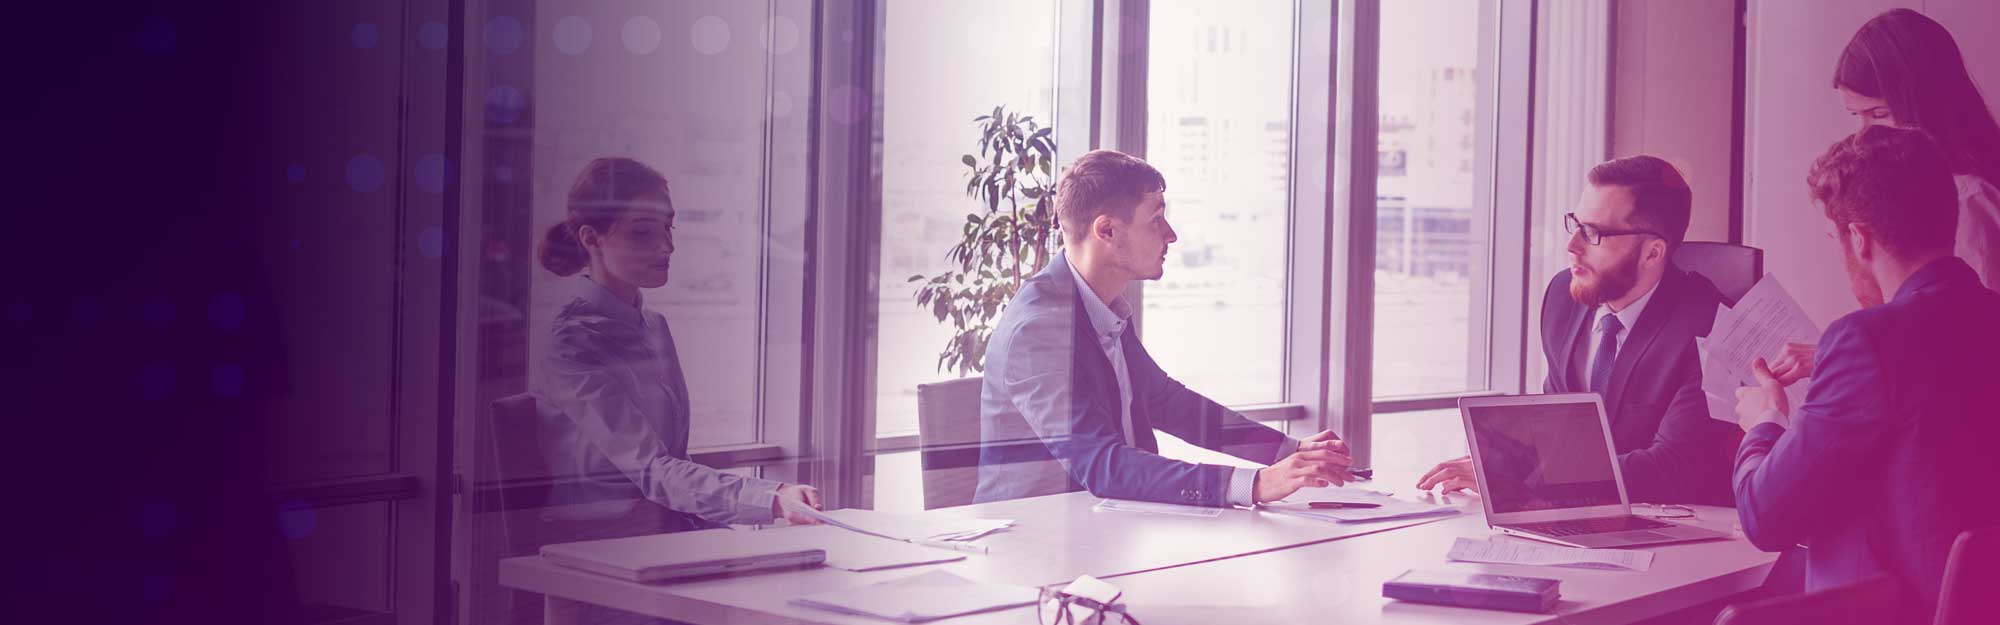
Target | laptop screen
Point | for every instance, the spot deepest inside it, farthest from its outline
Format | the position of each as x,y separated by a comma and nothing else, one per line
1543,456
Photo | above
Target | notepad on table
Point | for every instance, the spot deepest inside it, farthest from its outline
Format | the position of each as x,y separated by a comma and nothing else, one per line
1475,590
926,597
1524,552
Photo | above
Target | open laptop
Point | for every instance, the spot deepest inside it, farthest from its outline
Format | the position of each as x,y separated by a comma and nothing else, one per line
1547,470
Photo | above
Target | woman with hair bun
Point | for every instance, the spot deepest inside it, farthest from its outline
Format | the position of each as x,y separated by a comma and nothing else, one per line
611,370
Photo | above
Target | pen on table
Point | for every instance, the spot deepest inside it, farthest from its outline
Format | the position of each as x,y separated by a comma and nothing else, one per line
1335,505
953,545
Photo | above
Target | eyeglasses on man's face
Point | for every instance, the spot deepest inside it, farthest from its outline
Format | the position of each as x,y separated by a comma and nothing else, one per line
1594,234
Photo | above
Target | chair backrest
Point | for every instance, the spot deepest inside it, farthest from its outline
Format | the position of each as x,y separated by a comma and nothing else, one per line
1733,268
517,453
1971,574
1870,601
949,440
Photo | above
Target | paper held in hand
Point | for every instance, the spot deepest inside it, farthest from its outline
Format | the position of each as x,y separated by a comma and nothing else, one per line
1758,326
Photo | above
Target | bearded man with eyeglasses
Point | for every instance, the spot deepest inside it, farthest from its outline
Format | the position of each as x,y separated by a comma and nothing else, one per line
1621,321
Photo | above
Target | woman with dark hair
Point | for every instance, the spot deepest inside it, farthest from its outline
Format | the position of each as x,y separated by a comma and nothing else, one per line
613,373
1903,69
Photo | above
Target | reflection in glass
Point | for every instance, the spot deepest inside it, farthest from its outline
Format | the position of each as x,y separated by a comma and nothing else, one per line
616,430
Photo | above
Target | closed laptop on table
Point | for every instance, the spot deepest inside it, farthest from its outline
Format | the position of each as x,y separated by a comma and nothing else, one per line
663,557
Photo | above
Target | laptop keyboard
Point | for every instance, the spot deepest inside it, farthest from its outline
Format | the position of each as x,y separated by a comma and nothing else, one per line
1600,525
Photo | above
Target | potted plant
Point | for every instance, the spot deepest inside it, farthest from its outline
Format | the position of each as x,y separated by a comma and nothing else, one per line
1008,238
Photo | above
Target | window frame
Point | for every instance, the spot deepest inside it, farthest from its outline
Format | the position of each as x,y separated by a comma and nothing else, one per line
1100,101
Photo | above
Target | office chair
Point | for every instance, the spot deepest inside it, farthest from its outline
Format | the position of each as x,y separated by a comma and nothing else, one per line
949,442
1733,268
519,473
1971,573
1867,602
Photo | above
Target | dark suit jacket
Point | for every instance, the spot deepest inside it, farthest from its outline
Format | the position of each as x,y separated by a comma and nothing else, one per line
1047,379
1891,456
1669,449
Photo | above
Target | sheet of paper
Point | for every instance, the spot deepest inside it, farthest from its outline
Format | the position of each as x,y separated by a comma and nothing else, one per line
1721,408
1126,505
1758,326
927,526
1525,552
855,551
1300,504
828,519
919,598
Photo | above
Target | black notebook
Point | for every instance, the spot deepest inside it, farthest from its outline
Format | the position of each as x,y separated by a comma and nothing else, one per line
1475,590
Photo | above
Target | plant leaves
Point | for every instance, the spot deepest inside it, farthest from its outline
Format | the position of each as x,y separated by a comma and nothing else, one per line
996,248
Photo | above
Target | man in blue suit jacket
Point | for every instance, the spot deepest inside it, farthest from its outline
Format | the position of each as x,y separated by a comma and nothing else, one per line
1891,456
1064,368
1621,322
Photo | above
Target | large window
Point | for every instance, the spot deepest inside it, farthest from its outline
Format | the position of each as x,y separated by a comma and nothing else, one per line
814,152
943,63
1218,126
1434,216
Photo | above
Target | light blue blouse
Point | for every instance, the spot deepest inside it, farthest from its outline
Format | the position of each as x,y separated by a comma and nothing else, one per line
622,426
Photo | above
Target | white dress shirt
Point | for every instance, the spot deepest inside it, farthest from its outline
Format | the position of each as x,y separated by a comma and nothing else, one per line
1979,228
1107,323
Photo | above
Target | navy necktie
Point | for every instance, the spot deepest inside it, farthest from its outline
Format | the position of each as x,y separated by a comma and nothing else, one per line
1607,352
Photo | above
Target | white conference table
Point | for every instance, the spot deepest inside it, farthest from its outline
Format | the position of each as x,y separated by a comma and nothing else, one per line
1341,581
1243,566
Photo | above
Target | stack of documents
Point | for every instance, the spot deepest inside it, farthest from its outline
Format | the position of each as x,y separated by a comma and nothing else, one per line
1389,507
1530,553
926,597
1758,326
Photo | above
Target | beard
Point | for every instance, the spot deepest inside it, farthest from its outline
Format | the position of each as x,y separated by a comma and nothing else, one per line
1867,290
1606,285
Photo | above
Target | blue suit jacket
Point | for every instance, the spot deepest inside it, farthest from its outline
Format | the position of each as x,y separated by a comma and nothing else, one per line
1892,454
1669,449
1048,381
